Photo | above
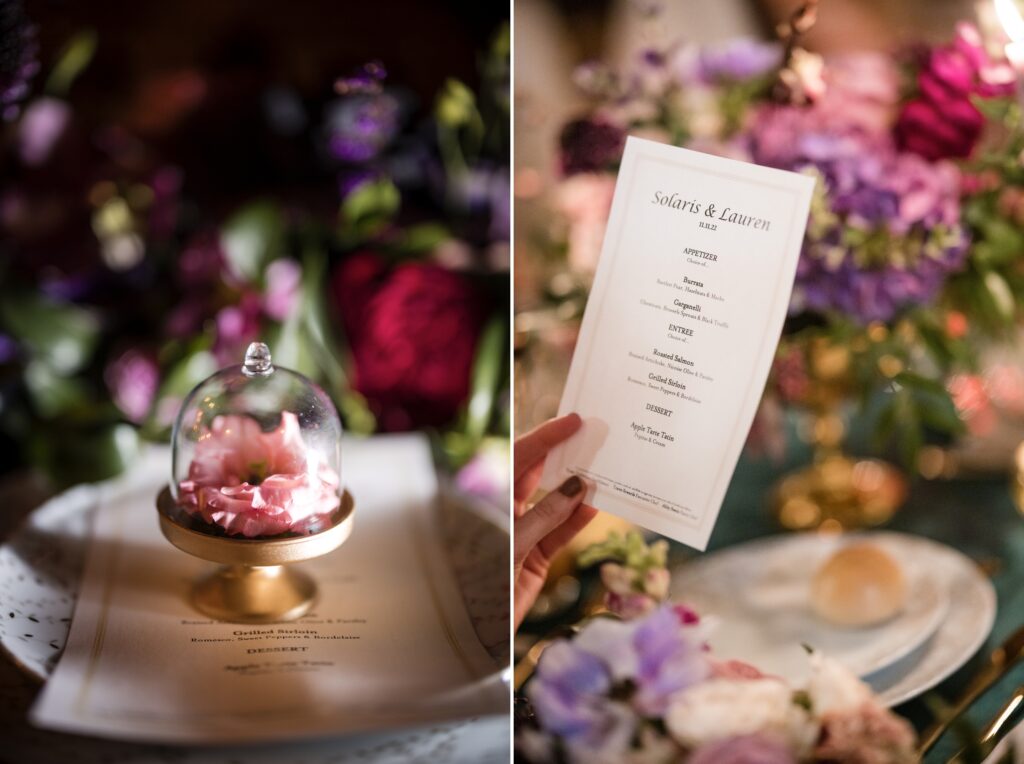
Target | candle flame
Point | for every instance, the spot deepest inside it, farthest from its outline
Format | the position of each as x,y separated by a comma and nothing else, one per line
1010,18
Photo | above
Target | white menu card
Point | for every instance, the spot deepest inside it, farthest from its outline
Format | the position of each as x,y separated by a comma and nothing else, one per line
388,644
680,328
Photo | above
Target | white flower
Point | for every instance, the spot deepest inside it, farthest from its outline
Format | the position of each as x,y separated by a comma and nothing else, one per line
833,687
725,708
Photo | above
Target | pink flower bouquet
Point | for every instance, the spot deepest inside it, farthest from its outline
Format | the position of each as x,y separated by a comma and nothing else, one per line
253,483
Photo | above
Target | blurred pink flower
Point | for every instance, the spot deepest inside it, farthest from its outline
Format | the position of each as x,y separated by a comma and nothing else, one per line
237,326
133,378
585,199
942,121
41,127
868,735
255,483
733,669
284,281
758,748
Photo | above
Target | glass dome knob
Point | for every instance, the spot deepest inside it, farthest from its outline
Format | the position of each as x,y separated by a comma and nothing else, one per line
257,361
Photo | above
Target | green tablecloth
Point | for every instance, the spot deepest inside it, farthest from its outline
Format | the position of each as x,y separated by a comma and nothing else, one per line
978,517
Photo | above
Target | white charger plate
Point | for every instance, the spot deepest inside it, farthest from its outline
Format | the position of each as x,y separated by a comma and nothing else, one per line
40,571
758,594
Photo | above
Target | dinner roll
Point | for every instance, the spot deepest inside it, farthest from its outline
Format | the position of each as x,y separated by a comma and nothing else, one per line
860,585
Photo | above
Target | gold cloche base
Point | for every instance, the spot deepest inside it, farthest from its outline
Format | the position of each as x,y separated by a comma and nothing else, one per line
839,493
254,586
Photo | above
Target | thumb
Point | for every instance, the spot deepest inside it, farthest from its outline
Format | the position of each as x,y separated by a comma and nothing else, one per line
549,513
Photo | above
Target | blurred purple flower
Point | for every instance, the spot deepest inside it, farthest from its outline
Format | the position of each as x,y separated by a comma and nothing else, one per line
9,349
359,127
886,232
745,749
368,78
40,128
737,60
133,378
643,663
19,62
590,145
570,694
284,282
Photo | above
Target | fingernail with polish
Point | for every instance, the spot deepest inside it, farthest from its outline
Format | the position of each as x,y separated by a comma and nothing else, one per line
571,487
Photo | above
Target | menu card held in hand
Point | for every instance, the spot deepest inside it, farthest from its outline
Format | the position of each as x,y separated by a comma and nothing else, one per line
679,332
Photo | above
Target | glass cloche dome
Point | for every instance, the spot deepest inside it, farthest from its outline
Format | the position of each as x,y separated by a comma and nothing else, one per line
256,453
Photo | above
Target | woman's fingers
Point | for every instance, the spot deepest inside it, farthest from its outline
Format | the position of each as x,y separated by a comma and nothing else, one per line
548,514
551,544
534,446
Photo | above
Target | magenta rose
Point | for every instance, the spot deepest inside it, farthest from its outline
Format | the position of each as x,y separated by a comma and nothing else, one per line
413,331
942,121
255,483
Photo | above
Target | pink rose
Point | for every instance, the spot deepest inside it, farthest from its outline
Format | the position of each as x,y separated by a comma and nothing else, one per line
868,735
254,483
745,749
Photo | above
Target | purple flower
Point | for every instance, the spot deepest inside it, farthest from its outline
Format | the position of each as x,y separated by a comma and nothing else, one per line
590,145
570,695
884,232
284,283
9,349
133,378
368,78
737,60
359,127
593,688
745,749
19,63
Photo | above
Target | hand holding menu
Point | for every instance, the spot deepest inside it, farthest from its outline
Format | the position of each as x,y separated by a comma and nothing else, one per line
679,332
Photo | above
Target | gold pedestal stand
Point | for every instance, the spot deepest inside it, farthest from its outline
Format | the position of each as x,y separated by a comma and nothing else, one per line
836,492
255,585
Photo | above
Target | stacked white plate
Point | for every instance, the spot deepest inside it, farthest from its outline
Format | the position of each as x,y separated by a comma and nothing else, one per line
758,595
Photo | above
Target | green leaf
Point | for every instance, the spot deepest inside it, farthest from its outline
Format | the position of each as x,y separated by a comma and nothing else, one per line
369,206
60,334
53,394
71,455
492,350
424,237
456,105
71,62
253,237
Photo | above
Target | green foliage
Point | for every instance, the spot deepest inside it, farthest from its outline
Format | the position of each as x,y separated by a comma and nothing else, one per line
253,237
71,62
630,550
367,209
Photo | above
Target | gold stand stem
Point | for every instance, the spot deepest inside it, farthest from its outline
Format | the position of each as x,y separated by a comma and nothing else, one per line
254,594
837,492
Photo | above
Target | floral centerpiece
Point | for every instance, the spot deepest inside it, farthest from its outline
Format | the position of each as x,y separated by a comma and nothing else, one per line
367,243
911,258
640,685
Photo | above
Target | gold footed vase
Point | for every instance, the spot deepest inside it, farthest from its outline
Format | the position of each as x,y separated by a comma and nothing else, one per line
255,583
836,492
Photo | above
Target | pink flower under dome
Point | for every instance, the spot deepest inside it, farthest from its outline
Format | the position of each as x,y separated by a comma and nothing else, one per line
254,483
